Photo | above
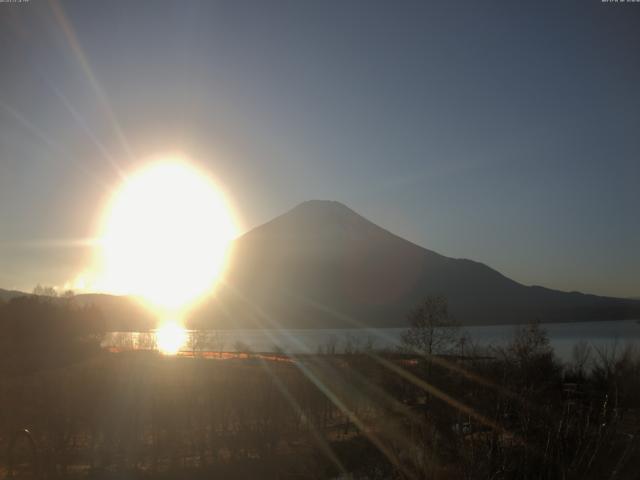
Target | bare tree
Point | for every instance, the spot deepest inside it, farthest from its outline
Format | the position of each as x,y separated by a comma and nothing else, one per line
431,329
146,341
44,291
580,358
530,340
217,342
197,341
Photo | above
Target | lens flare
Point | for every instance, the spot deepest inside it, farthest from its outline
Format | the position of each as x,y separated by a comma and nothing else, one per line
165,236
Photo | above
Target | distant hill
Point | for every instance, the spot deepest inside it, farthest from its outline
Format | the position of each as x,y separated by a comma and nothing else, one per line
323,265
6,295
120,312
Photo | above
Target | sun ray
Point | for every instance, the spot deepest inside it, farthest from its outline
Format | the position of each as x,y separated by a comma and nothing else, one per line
313,375
101,95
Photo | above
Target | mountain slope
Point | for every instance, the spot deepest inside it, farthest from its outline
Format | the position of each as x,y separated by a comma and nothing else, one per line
323,265
6,295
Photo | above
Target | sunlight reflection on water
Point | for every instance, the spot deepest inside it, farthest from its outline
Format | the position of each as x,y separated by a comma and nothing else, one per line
562,335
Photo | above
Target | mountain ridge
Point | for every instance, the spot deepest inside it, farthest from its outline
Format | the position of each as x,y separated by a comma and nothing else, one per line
321,257
323,265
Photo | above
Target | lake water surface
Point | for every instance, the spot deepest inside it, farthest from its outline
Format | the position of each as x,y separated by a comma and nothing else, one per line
602,334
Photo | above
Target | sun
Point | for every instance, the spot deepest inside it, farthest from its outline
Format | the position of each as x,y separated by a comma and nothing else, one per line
165,236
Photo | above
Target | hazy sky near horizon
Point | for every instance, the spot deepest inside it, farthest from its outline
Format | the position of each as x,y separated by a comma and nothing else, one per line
505,132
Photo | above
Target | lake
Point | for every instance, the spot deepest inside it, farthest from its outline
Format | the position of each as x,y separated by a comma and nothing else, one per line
602,334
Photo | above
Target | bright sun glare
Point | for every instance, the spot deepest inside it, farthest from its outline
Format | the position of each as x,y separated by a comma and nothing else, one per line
165,239
170,337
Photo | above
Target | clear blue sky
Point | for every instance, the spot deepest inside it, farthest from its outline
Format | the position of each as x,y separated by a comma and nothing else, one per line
506,132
